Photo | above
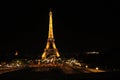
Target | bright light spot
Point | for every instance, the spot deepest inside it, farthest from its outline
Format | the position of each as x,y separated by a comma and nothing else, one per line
16,53
86,66
17,65
96,68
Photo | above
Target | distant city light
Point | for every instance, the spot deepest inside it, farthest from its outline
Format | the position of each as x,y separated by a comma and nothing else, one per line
93,52
16,53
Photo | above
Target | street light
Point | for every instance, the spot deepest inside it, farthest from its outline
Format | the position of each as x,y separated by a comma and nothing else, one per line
96,68
86,66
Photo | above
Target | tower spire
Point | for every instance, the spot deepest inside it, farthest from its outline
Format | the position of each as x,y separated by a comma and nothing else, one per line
50,33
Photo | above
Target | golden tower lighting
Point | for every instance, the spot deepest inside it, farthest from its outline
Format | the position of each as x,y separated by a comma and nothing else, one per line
50,48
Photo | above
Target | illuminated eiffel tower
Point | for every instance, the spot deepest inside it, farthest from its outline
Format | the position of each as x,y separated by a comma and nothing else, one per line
50,49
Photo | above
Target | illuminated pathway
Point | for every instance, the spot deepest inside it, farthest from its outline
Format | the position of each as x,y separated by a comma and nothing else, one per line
87,70
5,70
94,70
58,72
77,69
66,68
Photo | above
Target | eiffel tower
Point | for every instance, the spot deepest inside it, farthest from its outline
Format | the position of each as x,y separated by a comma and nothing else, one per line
50,49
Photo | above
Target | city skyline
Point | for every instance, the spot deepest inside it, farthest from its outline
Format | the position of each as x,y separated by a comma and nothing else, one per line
59,40
76,29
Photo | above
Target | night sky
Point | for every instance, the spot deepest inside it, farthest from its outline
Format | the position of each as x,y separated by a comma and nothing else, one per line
78,26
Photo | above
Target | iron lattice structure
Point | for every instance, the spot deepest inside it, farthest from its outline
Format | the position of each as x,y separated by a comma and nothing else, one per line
50,48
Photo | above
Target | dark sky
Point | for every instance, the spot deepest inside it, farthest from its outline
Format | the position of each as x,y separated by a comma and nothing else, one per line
78,26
